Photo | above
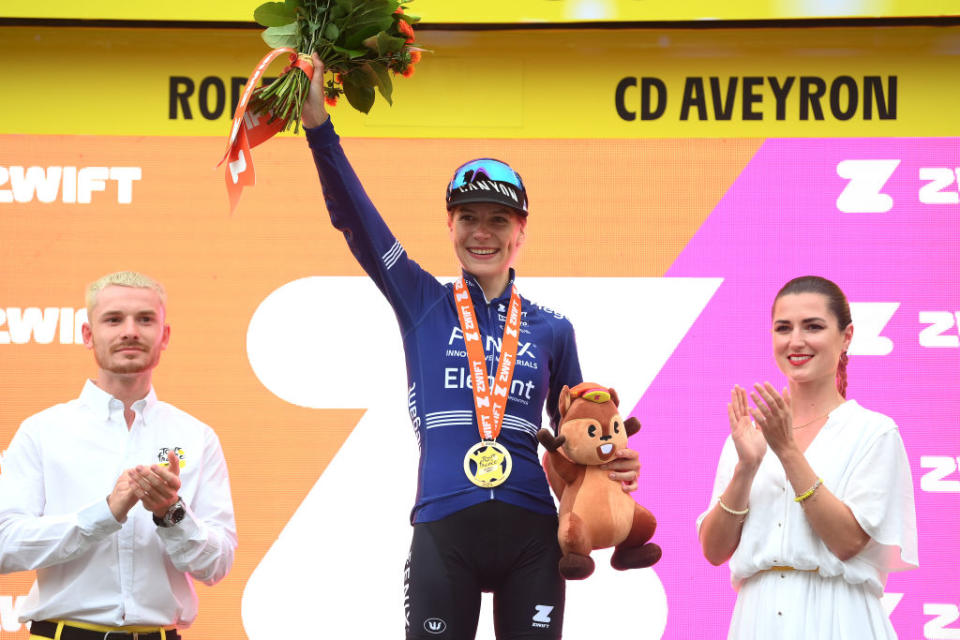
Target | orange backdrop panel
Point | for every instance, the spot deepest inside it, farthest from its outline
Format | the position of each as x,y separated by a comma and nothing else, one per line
594,204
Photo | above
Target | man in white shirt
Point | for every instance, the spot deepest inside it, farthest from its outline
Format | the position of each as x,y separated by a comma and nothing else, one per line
116,499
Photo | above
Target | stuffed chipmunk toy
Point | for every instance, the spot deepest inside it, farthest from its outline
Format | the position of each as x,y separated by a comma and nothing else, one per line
595,513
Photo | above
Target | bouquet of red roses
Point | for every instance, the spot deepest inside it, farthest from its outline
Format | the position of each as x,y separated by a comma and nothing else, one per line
359,41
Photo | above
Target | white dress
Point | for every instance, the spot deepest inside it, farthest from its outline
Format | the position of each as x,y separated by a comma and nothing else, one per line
862,460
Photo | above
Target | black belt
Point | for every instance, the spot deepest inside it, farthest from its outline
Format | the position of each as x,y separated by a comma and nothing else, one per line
49,629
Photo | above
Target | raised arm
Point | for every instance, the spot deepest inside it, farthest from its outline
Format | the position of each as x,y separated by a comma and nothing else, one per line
407,287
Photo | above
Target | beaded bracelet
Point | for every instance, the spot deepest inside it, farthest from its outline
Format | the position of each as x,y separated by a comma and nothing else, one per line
809,492
732,512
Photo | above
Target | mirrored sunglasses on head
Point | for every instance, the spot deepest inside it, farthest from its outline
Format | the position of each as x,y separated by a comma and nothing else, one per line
485,168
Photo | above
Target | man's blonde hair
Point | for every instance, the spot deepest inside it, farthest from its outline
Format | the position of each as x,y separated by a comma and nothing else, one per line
123,279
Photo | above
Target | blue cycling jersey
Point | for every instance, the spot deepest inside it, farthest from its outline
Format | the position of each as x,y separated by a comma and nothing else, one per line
440,395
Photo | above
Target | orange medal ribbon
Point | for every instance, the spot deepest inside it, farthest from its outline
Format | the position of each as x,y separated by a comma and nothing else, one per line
250,129
492,460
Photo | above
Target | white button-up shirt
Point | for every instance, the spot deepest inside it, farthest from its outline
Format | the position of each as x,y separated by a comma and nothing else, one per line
56,475
861,457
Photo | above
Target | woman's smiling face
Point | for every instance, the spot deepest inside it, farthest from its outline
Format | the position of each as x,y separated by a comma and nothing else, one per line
486,238
807,340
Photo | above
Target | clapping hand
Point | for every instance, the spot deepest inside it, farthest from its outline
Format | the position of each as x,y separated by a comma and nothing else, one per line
122,498
747,437
156,485
774,415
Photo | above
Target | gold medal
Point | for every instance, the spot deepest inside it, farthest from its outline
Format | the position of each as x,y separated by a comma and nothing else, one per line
487,464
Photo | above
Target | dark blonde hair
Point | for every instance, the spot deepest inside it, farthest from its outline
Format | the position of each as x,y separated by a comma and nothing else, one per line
836,303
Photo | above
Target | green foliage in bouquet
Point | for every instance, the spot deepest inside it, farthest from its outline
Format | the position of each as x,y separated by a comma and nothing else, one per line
359,41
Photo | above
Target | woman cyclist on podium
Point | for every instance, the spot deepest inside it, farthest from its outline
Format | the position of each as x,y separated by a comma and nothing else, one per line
484,519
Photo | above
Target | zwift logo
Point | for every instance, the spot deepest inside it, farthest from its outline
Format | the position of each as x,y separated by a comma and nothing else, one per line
944,613
21,325
70,185
937,480
541,619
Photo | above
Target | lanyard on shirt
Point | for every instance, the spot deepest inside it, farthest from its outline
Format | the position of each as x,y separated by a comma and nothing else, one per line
492,459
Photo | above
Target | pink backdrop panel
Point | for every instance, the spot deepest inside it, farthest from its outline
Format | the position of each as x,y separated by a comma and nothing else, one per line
894,237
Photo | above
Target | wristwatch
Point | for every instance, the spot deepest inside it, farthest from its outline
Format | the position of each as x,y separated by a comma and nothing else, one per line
173,516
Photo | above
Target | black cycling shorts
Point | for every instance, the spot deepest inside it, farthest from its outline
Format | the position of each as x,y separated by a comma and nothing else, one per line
490,547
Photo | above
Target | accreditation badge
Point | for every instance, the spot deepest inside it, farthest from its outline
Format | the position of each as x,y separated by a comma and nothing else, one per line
487,464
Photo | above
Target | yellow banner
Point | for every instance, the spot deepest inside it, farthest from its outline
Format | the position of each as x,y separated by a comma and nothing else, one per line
507,11
858,82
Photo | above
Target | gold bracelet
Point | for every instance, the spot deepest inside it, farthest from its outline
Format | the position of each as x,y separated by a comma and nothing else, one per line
732,512
809,492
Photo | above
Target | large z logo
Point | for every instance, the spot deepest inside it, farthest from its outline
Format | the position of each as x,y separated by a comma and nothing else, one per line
867,178
295,319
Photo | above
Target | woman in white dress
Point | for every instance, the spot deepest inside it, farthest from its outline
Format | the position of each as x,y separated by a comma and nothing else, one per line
813,500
